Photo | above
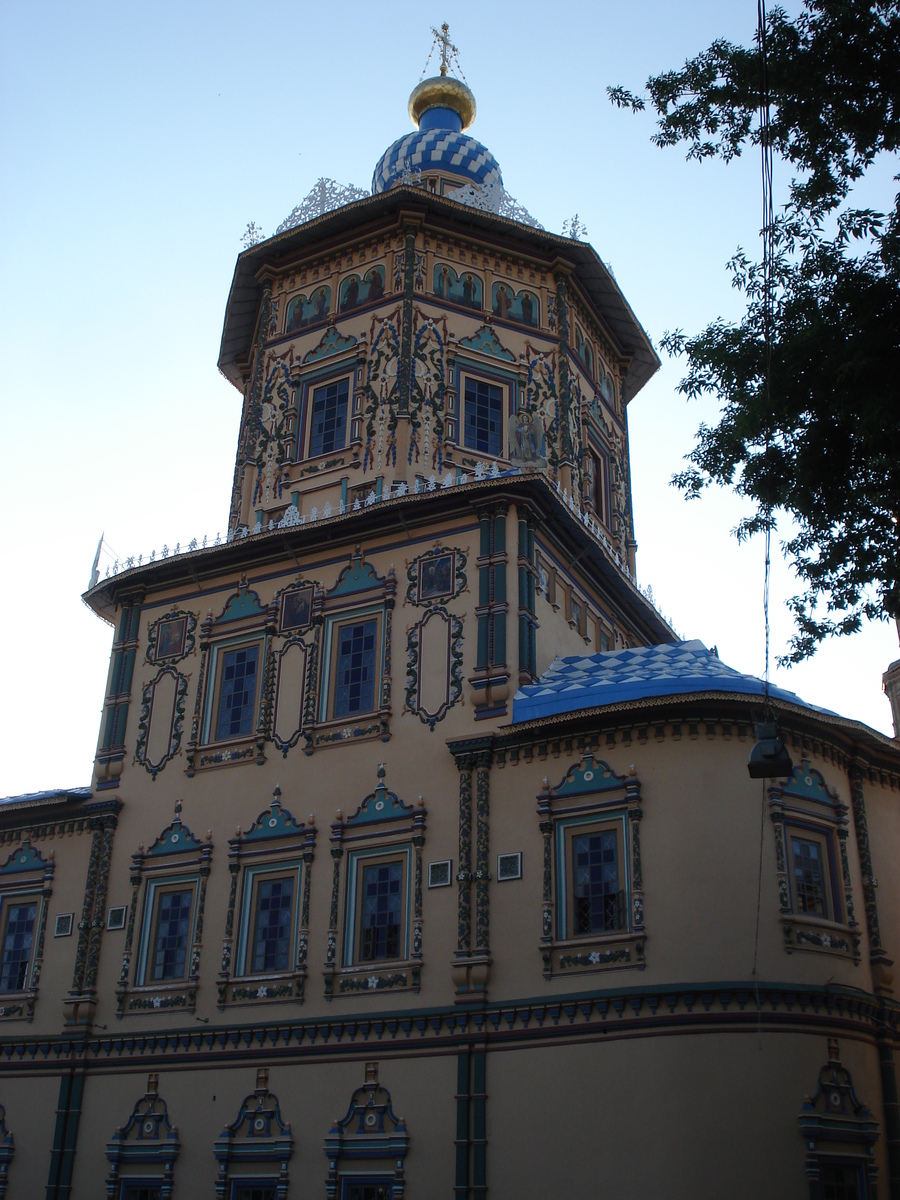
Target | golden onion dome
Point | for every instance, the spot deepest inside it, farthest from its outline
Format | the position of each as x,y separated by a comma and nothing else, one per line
442,91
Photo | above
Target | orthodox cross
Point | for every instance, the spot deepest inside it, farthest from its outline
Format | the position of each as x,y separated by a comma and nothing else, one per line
447,47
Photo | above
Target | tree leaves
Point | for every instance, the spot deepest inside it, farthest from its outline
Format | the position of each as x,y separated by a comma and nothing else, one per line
824,443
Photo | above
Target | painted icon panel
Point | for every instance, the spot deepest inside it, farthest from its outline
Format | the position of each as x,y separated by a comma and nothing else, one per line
511,305
436,577
356,292
295,608
307,310
465,288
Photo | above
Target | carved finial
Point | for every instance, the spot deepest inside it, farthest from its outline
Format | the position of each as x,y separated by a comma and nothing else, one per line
179,804
833,1052
631,770
237,831
381,771
312,818
153,1083
277,792
371,1074
340,814
262,1080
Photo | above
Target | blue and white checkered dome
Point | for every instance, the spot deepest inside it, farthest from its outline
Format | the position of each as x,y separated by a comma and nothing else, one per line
441,112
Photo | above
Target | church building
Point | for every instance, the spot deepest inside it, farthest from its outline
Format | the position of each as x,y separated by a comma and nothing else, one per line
420,857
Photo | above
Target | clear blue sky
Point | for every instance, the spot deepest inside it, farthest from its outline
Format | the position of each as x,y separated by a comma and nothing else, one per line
139,140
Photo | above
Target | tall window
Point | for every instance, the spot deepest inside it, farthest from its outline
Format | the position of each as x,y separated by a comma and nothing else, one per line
809,876
171,935
18,935
272,926
356,668
596,899
237,693
839,1181
484,417
140,1191
329,417
382,911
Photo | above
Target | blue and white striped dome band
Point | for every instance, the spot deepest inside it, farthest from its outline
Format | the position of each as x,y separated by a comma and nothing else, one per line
437,149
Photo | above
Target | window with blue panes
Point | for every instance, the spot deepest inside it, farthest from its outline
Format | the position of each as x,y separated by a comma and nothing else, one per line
483,417
356,668
171,935
328,417
595,882
272,925
381,911
366,1190
18,939
238,678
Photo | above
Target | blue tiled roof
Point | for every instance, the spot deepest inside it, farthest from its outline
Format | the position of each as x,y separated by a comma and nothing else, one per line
672,669
81,793
443,149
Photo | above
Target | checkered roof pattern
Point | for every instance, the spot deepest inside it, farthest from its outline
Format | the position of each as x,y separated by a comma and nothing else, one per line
436,148
672,669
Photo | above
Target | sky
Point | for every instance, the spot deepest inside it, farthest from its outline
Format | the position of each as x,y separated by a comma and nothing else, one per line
137,143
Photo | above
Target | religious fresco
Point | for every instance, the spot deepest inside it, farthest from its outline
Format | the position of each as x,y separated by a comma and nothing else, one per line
465,288
527,443
356,292
306,310
584,351
511,305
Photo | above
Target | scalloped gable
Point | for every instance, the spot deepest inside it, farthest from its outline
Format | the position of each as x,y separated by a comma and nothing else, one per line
240,605
589,777
25,858
809,783
272,822
174,839
359,576
380,805
485,341
330,343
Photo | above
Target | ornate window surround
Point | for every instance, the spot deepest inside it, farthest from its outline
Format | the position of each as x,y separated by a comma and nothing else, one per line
383,826
359,593
275,842
244,620
257,1146
147,1146
838,1128
371,1137
805,804
176,858
590,796
26,875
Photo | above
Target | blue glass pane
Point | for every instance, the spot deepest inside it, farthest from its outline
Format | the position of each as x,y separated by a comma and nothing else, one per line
354,690
169,955
237,693
595,882
484,417
271,937
17,946
329,418
382,910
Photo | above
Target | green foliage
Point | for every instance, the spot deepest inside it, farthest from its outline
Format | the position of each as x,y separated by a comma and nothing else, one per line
831,416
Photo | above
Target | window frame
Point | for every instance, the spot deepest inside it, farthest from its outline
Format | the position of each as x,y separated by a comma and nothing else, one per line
483,374
566,831
253,876
308,386
211,716
9,901
804,807
331,658
591,798
824,839
357,861
156,889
